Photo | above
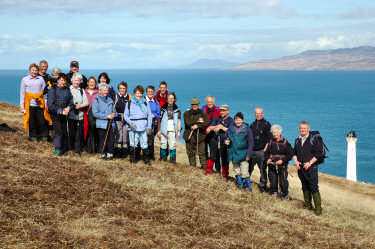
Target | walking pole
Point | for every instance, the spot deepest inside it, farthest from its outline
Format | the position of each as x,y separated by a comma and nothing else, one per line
109,127
219,147
197,145
67,128
134,147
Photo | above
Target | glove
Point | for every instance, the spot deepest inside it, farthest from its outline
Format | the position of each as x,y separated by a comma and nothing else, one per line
133,126
149,131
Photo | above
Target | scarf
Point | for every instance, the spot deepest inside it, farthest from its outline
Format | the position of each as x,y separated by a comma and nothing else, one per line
140,104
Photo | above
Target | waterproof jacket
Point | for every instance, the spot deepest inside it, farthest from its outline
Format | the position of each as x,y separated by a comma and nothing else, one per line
310,148
262,133
161,100
121,104
143,120
58,99
163,121
191,118
241,143
155,110
211,113
91,97
101,108
228,122
79,97
279,150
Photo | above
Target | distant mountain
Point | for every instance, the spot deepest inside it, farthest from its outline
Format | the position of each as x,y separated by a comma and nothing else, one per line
210,64
360,58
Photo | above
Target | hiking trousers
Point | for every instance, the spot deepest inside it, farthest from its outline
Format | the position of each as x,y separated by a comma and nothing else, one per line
258,158
279,176
309,179
38,126
241,169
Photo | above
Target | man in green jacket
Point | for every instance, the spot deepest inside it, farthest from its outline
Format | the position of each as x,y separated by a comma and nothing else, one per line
195,121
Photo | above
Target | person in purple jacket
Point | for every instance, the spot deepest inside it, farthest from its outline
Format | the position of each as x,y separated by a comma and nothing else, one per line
241,142
138,115
155,112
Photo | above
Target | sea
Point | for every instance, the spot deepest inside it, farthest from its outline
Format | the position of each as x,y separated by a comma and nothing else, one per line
333,102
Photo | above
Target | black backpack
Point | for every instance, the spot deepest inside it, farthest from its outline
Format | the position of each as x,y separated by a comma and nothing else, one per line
316,135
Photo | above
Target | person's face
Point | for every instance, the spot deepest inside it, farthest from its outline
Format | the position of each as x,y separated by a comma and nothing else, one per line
76,82
195,107
138,95
259,114
102,80
33,72
163,89
91,84
55,76
122,90
210,102
170,100
104,92
238,121
150,93
74,69
61,82
43,68
276,134
224,113
304,129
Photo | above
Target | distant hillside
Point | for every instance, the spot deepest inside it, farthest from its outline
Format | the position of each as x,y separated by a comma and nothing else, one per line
210,64
360,58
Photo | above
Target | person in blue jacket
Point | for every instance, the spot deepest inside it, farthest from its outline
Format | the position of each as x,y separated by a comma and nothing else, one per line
155,112
241,142
59,102
138,115
169,128
103,110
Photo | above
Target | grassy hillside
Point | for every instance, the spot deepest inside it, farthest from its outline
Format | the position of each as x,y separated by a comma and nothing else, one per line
84,202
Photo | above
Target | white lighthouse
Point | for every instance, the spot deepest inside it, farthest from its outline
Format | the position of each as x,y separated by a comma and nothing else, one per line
351,166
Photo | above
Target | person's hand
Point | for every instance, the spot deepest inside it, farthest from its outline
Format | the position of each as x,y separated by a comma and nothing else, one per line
158,134
194,127
148,131
111,116
269,161
279,162
133,126
219,127
178,134
247,158
307,165
77,106
227,142
23,111
208,130
153,116
297,164
200,120
66,111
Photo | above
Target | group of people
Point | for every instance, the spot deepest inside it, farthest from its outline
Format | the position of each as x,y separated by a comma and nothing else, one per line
88,114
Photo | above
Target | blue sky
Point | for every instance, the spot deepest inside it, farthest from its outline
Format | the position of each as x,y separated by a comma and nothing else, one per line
127,34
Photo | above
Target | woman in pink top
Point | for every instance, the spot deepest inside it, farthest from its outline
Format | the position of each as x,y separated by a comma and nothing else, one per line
91,142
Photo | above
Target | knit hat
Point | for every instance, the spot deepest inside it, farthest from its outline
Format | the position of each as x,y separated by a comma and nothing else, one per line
194,101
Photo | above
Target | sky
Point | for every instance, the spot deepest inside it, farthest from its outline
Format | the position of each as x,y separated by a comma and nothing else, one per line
152,34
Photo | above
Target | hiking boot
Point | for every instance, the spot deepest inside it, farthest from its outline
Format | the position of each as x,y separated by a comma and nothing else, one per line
44,139
247,184
307,198
286,198
317,203
33,139
274,194
239,182
109,156
209,167
163,155
192,161
146,156
57,152
132,155
118,152
124,152
172,156
103,156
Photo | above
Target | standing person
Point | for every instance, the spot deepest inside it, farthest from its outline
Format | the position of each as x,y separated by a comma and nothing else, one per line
60,101
261,129
74,68
103,78
91,137
56,71
161,95
103,110
76,115
212,112
277,155
218,148
241,143
138,116
306,153
155,112
195,121
33,105
43,67
121,135
169,128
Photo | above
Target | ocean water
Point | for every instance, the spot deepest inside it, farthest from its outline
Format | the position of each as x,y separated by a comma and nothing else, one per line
334,102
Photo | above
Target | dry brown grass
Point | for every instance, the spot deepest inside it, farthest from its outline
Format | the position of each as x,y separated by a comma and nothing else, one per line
83,202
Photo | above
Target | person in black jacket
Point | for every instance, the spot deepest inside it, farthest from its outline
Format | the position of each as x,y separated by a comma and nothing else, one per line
60,101
261,129
306,153
74,67
277,155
